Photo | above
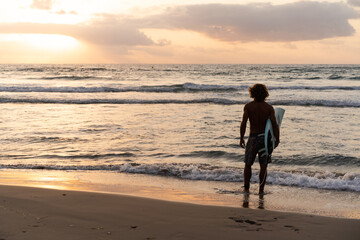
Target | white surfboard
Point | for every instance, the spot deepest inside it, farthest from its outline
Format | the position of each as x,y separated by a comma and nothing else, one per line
269,132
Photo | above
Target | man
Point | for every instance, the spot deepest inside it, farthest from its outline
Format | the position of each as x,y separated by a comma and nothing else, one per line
257,111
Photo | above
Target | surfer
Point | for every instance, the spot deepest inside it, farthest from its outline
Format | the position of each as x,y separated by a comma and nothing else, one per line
257,111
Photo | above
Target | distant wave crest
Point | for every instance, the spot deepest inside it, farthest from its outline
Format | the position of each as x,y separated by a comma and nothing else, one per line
177,88
219,101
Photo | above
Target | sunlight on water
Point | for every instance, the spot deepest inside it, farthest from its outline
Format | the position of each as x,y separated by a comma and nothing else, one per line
181,122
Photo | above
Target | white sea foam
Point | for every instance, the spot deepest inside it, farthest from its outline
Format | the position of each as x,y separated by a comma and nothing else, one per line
349,181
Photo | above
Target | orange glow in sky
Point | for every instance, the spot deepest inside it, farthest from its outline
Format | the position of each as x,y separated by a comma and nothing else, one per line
169,31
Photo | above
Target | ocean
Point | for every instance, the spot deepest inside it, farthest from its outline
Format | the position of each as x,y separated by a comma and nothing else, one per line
181,122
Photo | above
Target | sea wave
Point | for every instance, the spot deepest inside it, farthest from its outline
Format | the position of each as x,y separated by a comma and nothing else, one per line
212,154
31,69
176,88
322,180
96,69
233,155
69,77
70,157
186,87
219,101
318,160
60,69
318,103
335,77
298,160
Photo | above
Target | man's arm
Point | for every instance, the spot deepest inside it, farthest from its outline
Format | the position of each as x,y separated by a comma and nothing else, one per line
275,127
243,127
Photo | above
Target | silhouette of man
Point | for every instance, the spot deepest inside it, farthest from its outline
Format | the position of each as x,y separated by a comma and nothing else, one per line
257,111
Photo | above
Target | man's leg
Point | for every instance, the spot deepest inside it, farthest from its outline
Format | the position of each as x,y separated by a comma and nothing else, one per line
262,177
250,155
247,177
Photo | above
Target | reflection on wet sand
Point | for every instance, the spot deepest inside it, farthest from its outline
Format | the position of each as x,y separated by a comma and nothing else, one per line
246,200
261,202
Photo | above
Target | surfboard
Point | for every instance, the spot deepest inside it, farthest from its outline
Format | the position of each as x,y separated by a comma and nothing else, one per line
269,132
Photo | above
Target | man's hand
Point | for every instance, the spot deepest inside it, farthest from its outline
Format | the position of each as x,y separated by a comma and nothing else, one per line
242,143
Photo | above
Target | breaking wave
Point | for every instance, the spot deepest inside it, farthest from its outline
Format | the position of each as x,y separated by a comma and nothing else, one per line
321,180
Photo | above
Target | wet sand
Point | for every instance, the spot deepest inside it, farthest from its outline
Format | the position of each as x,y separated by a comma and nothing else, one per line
36,213
215,193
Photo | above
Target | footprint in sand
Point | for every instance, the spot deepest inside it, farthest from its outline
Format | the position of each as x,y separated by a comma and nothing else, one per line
292,228
238,220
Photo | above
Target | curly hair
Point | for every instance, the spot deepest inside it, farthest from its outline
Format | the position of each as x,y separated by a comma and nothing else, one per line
259,92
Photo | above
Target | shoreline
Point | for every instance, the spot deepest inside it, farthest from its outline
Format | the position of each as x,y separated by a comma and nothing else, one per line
38,213
344,205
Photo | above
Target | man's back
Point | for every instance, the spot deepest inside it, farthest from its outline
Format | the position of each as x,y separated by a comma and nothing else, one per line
258,113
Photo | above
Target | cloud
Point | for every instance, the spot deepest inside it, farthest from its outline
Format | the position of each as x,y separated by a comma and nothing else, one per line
304,20
260,22
163,42
355,3
63,12
111,34
42,4
108,34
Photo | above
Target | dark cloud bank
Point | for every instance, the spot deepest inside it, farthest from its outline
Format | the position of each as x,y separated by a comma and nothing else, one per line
262,22
254,22
355,3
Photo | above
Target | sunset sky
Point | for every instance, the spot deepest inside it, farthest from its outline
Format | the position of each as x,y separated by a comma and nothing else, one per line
172,31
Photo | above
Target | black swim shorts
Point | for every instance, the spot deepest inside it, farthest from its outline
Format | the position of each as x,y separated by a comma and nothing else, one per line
256,146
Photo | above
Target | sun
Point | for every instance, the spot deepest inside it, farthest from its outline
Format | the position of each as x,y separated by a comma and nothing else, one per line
50,42
53,42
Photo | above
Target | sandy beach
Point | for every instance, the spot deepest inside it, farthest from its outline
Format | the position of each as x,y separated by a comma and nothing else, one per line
37,213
